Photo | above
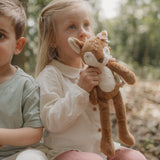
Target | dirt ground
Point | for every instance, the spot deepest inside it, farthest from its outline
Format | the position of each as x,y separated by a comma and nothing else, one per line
143,116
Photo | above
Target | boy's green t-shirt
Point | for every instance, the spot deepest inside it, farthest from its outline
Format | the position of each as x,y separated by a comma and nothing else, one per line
19,106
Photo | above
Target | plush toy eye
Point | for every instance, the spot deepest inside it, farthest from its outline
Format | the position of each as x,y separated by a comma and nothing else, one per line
100,60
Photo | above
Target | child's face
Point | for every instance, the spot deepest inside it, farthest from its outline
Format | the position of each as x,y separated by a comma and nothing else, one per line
8,42
72,22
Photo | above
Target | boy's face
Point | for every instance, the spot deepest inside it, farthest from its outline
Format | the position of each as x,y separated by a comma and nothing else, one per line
8,42
72,22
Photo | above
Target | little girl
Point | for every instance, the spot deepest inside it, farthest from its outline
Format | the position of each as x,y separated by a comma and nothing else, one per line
72,123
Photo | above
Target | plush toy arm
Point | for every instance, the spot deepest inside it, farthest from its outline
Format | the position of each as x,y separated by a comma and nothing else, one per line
125,73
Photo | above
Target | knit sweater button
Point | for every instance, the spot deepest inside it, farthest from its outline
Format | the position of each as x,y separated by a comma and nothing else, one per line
99,129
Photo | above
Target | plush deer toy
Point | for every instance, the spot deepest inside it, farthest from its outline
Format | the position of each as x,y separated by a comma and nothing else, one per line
95,52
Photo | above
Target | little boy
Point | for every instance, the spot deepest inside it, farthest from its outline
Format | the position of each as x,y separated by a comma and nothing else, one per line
20,124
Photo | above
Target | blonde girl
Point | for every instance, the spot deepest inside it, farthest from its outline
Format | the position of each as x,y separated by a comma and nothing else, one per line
72,124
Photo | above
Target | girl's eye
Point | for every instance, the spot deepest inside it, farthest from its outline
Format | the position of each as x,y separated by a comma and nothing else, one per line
2,36
86,25
72,26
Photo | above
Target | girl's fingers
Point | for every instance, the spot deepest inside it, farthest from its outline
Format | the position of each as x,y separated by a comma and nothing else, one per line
92,69
89,78
112,59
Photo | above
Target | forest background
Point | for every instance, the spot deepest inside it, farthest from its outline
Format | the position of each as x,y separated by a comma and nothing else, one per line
135,39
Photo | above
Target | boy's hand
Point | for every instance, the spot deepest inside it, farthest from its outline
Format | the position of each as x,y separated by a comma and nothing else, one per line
1,146
89,78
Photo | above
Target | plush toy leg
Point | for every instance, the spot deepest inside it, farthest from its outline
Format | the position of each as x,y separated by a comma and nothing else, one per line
107,146
124,134
93,96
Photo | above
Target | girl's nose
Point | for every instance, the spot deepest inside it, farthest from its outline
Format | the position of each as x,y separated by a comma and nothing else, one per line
83,34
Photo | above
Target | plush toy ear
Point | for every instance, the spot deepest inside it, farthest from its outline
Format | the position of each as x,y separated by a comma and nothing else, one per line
103,36
75,44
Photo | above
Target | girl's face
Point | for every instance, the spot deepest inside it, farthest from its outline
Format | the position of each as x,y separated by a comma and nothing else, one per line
72,22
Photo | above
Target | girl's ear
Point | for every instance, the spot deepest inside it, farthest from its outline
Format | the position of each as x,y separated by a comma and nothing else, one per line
75,44
53,45
19,45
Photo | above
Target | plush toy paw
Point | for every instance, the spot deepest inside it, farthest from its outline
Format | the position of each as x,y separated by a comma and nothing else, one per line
107,147
127,138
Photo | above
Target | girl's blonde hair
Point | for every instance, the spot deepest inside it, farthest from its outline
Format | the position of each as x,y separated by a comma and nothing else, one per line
14,10
47,31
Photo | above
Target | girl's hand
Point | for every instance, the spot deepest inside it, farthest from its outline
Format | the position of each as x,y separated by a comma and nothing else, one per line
89,78
111,59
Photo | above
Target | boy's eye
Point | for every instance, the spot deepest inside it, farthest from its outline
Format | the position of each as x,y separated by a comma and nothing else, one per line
2,36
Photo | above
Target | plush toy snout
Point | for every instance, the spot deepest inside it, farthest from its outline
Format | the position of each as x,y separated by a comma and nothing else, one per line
90,59
97,58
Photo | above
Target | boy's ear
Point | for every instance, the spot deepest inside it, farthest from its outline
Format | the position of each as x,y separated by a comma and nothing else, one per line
19,45
75,44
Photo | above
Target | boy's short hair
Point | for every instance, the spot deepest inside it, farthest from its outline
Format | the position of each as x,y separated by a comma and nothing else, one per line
14,10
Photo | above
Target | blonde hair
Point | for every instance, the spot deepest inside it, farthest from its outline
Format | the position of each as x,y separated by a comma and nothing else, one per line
47,31
14,10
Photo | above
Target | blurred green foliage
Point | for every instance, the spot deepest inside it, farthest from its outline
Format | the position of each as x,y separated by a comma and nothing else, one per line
134,34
